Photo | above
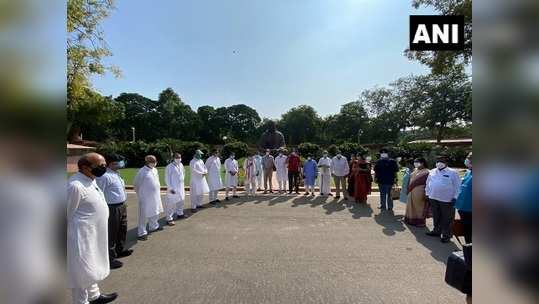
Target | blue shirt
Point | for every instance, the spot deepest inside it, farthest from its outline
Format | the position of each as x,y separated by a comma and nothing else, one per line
464,200
310,168
113,186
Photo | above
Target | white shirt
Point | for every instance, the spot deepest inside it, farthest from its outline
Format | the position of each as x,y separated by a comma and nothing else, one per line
339,167
174,178
213,164
325,164
148,188
231,165
113,186
443,185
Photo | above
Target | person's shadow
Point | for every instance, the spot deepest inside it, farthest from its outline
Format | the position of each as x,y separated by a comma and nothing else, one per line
360,210
335,205
390,222
438,250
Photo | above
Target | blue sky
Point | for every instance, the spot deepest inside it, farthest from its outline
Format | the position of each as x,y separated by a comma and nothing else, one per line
270,55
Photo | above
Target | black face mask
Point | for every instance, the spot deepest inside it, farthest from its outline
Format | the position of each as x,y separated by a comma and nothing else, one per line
99,171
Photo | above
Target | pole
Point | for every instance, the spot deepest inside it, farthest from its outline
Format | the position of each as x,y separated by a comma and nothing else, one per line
133,133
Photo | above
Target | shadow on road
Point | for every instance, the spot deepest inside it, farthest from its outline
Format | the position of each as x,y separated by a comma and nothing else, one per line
390,222
438,250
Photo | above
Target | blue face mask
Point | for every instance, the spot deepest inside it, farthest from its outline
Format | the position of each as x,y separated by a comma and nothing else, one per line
121,164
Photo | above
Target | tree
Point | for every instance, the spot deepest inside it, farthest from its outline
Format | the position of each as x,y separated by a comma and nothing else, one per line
441,61
176,119
300,124
242,121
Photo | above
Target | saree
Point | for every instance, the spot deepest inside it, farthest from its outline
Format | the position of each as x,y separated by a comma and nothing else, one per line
362,181
417,208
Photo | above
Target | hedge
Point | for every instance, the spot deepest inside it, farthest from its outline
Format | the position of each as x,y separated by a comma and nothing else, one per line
239,148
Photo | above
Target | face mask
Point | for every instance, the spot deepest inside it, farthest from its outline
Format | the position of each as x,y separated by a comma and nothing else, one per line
467,163
280,154
178,160
198,156
232,156
152,165
267,153
325,155
417,165
384,155
440,165
309,158
99,171
121,164
339,156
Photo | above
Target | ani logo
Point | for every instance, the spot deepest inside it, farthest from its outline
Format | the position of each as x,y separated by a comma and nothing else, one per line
436,33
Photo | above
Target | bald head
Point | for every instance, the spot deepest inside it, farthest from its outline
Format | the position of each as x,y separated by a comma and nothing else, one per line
89,161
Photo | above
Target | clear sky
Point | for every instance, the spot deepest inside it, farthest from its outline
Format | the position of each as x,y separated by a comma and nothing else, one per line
269,54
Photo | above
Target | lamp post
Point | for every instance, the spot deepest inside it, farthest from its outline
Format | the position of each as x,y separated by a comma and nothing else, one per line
133,133
359,132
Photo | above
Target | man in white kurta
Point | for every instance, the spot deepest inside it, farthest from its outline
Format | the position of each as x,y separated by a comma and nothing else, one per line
175,197
199,185
282,171
324,164
213,164
251,172
148,188
87,236
260,176
231,175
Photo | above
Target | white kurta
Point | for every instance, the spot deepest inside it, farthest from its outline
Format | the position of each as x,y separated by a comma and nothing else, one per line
174,178
213,164
87,237
282,169
250,170
199,185
325,174
231,165
147,186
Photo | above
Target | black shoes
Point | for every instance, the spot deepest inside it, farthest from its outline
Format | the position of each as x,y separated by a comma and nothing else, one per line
193,211
115,264
180,217
235,196
125,253
445,239
432,233
105,298
143,237
382,208
158,229
227,199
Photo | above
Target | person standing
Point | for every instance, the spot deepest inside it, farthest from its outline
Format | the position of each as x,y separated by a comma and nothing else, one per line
260,170
213,164
251,172
199,185
442,189
385,175
417,207
175,197
281,171
340,170
294,167
148,189
310,173
113,187
407,172
268,164
464,200
362,179
231,175
324,164
87,237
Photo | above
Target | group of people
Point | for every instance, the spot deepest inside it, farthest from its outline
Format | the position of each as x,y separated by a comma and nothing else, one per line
96,195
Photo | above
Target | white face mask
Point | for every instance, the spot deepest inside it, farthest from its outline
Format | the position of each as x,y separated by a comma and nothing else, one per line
309,158
339,155
267,153
232,156
178,160
152,165
280,154
417,165
384,155
440,165
325,155
467,163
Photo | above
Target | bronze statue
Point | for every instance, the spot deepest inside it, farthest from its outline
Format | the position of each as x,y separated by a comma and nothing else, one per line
271,138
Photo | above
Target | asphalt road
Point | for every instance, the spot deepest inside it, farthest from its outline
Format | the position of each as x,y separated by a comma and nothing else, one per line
285,249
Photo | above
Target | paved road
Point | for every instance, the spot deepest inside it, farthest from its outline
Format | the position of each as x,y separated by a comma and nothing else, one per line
285,249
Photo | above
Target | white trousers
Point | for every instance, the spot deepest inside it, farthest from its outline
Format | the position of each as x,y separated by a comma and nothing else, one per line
228,189
282,185
196,200
259,179
250,186
173,207
84,295
142,221
213,195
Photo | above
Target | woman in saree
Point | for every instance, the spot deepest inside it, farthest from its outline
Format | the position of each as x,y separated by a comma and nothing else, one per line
417,208
362,179
353,171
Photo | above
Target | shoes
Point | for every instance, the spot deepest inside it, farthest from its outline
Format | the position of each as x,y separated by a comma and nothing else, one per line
217,201
382,208
329,194
306,193
227,199
180,217
125,253
271,191
213,202
105,298
312,194
201,206
432,233
115,264
390,209
194,210
338,196
445,239
265,192
143,237
235,196
171,223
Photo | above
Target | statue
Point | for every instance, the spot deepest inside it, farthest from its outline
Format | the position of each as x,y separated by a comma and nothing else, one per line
271,138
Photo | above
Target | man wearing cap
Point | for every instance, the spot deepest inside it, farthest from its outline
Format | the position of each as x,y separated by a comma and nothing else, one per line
113,187
199,185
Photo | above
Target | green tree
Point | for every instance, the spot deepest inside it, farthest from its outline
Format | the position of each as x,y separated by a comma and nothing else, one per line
300,124
176,119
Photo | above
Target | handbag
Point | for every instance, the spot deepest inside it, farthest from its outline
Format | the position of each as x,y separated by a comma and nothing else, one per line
395,192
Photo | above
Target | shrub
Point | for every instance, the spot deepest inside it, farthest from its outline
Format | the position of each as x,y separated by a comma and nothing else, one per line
348,148
306,149
239,148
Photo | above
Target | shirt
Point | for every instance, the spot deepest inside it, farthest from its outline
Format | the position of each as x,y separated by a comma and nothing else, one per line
443,185
293,163
267,162
464,200
113,186
385,171
339,166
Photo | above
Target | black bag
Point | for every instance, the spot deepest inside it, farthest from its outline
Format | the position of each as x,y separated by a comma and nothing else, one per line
467,249
457,273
